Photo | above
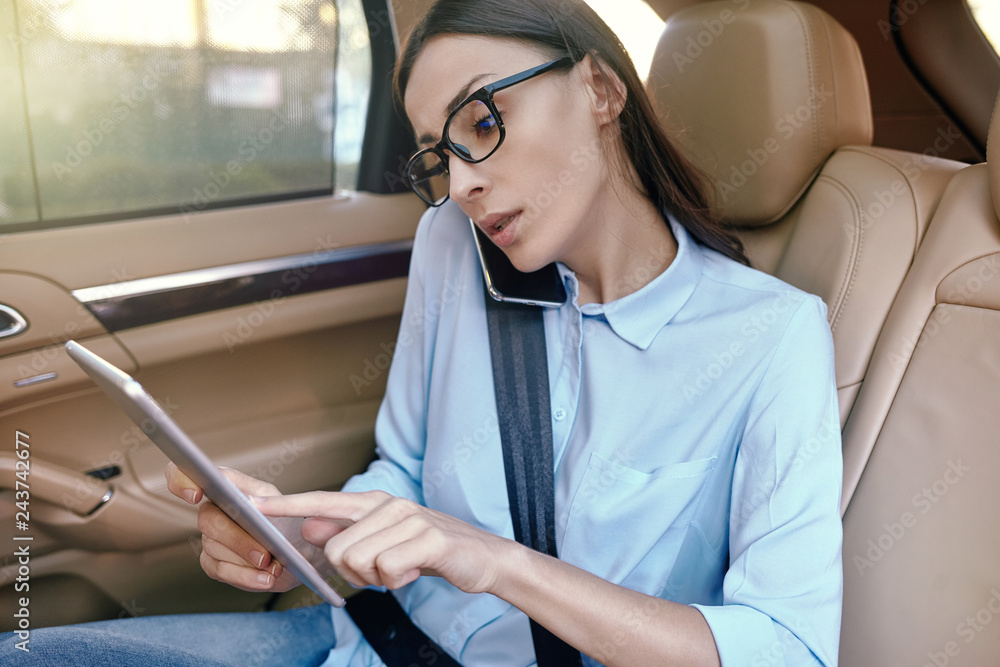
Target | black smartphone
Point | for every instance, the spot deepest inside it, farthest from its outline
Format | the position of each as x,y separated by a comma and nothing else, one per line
504,282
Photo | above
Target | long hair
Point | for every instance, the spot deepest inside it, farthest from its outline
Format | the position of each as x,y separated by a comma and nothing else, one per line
571,27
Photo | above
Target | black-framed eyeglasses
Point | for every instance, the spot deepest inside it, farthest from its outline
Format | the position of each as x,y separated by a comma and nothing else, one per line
473,132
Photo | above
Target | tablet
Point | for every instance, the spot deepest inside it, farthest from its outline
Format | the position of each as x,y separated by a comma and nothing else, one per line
179,448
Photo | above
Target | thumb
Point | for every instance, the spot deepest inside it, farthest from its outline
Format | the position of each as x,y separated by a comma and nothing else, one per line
318,532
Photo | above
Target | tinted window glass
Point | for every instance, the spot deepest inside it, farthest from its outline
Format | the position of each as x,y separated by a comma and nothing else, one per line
122,107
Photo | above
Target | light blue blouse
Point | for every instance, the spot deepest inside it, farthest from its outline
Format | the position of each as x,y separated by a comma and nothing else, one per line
697,449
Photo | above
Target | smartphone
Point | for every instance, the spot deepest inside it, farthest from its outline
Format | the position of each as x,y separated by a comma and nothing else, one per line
504,282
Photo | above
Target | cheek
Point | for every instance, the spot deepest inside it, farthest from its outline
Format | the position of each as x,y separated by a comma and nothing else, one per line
565,150
562,180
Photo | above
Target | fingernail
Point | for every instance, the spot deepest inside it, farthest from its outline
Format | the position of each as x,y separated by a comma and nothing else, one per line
191,496
257,558
264,578
275,566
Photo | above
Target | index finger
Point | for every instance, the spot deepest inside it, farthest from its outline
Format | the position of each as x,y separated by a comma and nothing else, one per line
344,508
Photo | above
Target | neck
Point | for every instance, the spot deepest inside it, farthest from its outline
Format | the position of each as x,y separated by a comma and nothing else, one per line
626,245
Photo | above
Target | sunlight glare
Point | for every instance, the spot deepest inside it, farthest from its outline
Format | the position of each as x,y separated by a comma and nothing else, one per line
987,14
636,24
129,22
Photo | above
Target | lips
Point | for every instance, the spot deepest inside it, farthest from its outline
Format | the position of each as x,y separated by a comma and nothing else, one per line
500,227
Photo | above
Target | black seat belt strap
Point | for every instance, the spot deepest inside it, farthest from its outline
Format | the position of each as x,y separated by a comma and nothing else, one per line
395,638
521,385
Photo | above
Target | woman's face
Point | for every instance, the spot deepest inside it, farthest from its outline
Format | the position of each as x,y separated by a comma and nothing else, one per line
538,195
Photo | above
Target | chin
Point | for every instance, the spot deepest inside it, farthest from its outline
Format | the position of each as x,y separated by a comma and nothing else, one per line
526,262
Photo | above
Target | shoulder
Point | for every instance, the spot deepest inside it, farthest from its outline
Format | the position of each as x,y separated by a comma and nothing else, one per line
443,247
442,230
759,306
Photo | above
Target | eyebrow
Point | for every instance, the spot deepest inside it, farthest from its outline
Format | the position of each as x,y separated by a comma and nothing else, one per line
429,139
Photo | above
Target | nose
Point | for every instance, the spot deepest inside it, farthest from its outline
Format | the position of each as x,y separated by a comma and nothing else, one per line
467,182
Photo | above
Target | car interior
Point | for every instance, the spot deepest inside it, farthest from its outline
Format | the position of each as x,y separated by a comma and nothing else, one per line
215,204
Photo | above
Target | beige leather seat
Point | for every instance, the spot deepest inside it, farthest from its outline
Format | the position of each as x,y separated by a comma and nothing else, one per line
914,308
770,99
922,532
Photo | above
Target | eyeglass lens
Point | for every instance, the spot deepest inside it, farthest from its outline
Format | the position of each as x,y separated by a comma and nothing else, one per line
473,133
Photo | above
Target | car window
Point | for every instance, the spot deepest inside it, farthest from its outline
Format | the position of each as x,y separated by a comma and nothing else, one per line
987,15
117,108
636,24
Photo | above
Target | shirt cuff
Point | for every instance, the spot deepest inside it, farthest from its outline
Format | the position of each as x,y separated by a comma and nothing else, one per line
744,636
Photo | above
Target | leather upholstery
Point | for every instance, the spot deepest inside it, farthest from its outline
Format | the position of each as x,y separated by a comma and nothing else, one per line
905,251
778,90
761,123
993,156
921,544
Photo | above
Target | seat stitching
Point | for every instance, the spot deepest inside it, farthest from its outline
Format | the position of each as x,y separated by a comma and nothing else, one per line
833,82
808,38
947,300
847,285
871,151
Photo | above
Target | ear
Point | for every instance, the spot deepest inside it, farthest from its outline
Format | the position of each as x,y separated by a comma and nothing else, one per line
606,90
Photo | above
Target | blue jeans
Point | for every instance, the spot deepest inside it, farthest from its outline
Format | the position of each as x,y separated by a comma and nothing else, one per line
298,638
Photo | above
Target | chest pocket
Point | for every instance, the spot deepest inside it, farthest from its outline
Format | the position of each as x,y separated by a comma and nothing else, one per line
627,526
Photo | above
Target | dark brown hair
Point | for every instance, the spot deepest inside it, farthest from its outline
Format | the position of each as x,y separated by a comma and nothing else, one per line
571,27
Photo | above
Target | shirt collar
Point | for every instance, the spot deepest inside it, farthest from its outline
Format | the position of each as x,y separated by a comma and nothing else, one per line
638,317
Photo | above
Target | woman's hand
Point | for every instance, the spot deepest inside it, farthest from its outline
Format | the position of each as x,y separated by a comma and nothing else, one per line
389,541
228,553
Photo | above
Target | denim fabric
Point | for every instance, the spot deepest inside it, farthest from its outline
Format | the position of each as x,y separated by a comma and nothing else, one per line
296,638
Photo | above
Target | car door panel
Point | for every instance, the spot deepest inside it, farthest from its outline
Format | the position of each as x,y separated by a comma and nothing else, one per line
284,387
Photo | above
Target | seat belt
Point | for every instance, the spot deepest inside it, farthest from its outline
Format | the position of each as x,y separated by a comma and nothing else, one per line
391,633
521,386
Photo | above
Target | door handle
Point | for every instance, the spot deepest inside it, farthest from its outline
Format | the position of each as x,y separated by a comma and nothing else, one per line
11,322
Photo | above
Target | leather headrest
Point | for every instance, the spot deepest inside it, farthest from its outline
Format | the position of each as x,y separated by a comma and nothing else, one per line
993,156
758,95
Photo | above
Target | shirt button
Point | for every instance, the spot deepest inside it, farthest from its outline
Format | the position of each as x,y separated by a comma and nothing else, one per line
559,414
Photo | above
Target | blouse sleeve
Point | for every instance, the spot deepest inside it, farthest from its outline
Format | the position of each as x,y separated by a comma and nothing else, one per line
401,425
782,594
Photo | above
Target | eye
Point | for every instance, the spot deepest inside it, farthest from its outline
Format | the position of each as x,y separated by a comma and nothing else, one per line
485,125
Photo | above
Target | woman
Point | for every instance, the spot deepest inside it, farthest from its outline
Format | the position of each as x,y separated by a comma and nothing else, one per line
694,524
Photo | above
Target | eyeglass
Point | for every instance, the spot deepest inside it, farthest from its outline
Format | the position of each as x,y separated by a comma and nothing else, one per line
473,132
